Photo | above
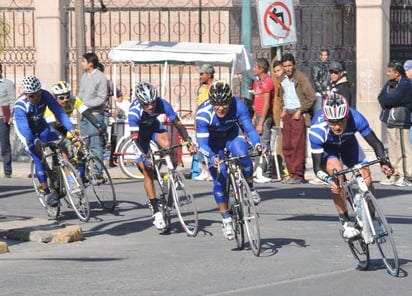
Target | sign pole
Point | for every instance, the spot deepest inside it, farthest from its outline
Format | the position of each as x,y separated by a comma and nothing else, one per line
247,42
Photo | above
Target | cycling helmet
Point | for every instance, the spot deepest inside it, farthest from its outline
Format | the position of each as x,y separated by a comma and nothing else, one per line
220,93
335,107
30,84
146,93
61,87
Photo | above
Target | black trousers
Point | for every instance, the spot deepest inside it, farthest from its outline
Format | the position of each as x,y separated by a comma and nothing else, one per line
5,146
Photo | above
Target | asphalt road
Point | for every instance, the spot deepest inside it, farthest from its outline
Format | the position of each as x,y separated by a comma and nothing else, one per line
123,254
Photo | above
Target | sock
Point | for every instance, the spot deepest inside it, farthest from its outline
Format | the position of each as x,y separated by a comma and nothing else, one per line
226,215
153,203
344,217
47,190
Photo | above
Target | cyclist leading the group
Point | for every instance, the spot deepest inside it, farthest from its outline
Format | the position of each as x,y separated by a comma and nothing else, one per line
218,122
333,142
145,126
32,128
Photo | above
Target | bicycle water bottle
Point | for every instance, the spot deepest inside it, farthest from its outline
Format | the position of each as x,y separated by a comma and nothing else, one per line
80,169
358,205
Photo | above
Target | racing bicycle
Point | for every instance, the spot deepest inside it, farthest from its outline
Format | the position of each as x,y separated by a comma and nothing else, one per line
98,184
174,192
242,207
369,219
57,171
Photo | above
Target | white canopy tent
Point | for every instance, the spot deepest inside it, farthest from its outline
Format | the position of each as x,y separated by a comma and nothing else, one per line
233,56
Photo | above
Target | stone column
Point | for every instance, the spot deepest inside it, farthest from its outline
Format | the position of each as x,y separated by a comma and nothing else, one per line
372,56
50,41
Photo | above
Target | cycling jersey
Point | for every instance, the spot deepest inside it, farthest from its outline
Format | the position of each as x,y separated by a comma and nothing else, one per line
213,132
29,119
72,104
147,126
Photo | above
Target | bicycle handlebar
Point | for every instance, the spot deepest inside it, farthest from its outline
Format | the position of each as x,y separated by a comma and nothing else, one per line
355,168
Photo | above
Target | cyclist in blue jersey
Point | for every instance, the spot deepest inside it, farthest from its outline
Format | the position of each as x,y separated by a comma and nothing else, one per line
144,126
32,128
218,122
333,142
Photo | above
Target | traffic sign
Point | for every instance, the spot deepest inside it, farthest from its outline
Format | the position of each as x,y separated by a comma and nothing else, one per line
276,21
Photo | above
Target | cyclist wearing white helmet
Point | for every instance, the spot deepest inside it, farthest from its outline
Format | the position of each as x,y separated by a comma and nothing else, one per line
32,128
144,126
61,91
333,143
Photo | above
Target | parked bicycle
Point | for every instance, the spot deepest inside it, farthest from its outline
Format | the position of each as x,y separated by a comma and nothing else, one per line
58,170
98,184
173,190
369,220
242,207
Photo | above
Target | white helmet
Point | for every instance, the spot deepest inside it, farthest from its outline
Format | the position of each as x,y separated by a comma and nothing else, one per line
146,93
61,87
335,107
30,84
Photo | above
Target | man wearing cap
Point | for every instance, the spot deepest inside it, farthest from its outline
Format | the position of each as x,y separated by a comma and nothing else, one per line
206,72
339,82
7,97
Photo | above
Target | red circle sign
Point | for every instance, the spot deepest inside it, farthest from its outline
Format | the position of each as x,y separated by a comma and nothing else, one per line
271,17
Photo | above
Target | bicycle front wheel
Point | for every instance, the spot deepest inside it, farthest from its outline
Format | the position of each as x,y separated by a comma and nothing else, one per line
100,183
52,212
357,245
384,239
75,192
236,210
250,217
127,160
185,204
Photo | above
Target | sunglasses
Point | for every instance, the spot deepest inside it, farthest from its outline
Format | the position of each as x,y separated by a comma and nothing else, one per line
337,122
62,98
334,72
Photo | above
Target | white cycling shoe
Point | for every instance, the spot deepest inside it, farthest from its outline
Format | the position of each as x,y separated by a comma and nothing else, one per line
158,221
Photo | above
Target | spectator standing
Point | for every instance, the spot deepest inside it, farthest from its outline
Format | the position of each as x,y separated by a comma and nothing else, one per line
7,98
339,81
109,118
263,96
320,78
278,74
93,92
397,91
207,77
298,97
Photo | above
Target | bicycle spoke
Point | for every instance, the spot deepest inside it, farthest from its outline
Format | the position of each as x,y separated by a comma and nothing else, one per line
127,160
75,192
384,239
250,217
100,184
185,204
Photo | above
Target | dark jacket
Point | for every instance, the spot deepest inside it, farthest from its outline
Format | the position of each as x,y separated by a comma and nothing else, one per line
394,94
320,76
342,87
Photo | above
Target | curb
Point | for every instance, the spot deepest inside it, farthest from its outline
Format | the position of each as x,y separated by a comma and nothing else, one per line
37,230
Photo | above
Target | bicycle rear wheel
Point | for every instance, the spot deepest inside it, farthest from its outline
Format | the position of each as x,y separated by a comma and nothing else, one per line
184,204
100,183
357,245
384,240
127,160
52,212
75,193
237,212
250,217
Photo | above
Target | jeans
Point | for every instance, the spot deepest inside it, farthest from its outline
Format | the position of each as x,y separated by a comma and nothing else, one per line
318,103
96,144
5,146
265,140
